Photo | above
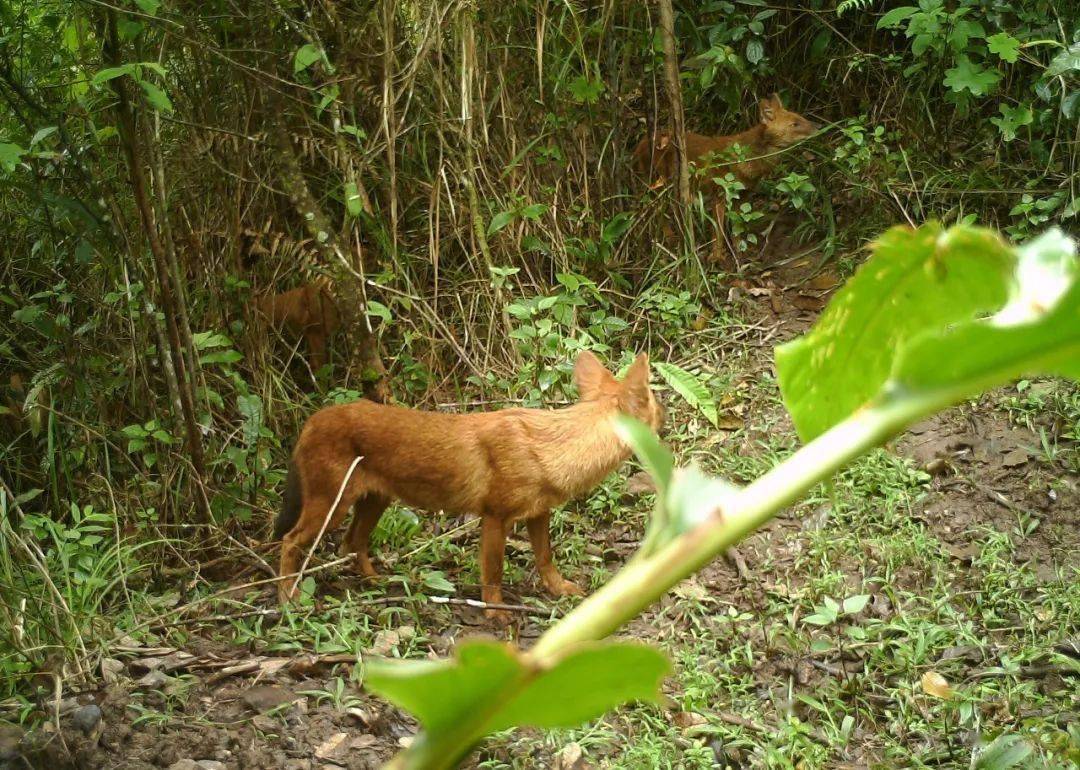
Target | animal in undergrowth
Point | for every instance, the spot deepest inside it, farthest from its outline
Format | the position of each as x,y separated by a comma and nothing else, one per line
503,466
308,311
748,155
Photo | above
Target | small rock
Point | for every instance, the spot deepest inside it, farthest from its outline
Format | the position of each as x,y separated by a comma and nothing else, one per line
1014,458
86,718
185,764
362,742
332,747
266,697
210,764
155,680
265,724
66,706
385,641
405,741
111,668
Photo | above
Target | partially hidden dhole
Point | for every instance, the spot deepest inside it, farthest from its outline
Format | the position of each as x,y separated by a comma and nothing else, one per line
502,465
777,129
308,311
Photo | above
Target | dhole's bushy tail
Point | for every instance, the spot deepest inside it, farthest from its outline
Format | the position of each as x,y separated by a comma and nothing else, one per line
291,503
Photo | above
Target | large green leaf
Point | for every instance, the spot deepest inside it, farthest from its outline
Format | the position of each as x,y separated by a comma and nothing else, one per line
914,280
1066,61
306,55
490,686
157,98
1037,332
10,155
654,456
585,684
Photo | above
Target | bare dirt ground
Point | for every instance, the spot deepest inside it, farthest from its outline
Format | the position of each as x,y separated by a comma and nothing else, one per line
220,701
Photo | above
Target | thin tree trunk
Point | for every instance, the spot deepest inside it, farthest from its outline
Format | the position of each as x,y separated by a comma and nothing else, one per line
347,286
468,70
136,162
674,90
390,118
184,322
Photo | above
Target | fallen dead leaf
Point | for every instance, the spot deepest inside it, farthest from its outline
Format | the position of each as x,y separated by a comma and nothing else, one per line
363,715
935,685
691,589
729,422
688,719
963,553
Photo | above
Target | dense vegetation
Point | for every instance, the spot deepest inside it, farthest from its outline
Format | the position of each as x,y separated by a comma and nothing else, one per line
460,172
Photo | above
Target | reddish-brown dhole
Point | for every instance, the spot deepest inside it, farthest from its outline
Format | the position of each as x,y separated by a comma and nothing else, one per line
309,311
503,466
778,128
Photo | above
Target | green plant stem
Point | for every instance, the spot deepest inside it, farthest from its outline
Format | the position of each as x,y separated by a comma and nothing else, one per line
642,583
639,585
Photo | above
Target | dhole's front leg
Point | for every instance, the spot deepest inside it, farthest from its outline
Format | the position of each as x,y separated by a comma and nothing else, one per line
540,536
492,550
719,250
315,339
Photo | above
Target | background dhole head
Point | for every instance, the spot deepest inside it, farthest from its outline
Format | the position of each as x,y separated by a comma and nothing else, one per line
633,394
784,127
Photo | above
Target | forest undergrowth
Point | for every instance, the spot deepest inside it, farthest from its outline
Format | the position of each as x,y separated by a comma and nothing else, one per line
459,176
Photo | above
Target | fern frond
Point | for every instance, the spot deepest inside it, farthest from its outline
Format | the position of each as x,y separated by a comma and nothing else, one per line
853,5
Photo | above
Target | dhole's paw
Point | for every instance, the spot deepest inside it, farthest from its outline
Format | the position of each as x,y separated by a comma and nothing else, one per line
286,591
565,587
363,568
498,617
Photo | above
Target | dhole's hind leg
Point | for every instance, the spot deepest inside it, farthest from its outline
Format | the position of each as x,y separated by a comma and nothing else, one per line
366,513
540,536
303,534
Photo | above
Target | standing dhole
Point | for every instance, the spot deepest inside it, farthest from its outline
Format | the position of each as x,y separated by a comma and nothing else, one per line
778,128
309,311
503,466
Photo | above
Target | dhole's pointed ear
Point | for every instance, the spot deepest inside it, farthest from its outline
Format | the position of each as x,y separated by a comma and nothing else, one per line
775,99
767,110
638,373
635,385
589,375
